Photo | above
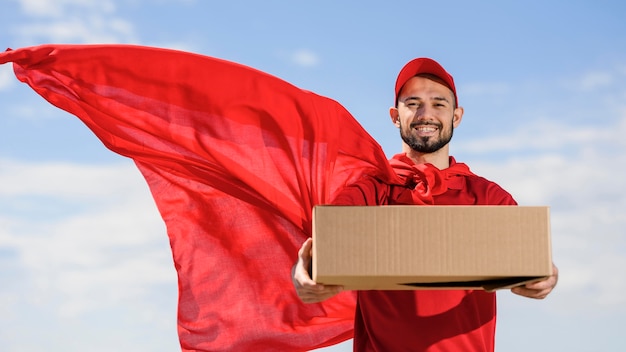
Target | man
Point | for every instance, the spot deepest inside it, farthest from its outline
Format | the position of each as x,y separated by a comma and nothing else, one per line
426,112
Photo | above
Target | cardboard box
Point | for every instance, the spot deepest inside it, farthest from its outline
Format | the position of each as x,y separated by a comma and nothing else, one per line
430,247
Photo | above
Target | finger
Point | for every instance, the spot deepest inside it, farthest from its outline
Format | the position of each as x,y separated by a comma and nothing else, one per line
531,293
305,249
306,284
547,283
300,272
319,289
312,296
538,285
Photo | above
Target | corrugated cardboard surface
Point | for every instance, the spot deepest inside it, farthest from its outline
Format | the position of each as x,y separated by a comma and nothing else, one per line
430,247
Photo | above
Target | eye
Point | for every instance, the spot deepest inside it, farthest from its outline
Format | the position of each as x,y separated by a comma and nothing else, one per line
412,103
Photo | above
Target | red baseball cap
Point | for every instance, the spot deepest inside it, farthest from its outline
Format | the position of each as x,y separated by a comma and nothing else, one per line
424,65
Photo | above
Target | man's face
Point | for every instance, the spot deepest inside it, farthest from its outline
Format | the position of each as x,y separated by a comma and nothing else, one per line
426,115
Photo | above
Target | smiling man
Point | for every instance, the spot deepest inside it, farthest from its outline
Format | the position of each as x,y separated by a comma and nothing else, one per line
426,112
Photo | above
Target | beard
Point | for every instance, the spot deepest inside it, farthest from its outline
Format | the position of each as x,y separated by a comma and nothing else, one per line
426,144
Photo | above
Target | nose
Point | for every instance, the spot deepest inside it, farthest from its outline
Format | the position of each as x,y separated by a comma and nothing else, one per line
423,113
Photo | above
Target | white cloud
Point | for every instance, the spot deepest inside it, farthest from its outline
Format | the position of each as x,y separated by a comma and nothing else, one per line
64,179
60,8
564,124
594,80
84,237
74,21
485,88
585,188
94,29
7,78
305,57
547,135
598,79
573,159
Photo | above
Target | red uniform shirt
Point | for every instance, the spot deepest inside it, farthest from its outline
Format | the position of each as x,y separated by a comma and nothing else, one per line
423,320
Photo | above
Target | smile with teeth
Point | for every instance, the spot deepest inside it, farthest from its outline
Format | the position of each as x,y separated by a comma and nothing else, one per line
425,129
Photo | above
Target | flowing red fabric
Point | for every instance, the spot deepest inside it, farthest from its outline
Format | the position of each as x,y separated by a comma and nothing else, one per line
235,160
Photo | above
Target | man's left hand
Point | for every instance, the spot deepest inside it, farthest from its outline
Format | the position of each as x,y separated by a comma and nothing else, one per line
538,289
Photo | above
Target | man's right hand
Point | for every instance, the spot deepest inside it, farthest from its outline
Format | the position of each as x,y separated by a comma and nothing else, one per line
308,290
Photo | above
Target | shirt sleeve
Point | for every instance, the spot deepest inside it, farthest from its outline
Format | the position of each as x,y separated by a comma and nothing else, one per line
366,191
496,195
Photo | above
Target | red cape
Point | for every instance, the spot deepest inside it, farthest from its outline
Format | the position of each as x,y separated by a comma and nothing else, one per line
235,160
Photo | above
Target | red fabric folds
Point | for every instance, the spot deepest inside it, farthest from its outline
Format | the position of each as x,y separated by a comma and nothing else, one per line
426,180
235,159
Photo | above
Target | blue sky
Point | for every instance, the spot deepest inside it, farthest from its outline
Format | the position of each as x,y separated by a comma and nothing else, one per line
84,258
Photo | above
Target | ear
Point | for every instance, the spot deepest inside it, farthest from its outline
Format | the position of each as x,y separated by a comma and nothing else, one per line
395,116
458,116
